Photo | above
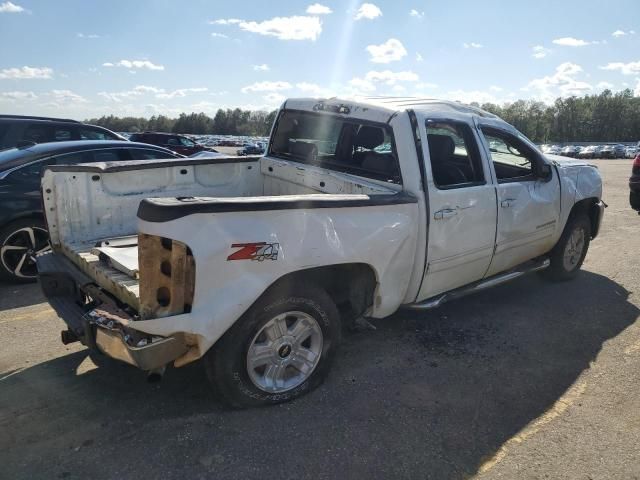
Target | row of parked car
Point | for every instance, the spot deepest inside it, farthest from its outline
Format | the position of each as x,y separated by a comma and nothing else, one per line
593,151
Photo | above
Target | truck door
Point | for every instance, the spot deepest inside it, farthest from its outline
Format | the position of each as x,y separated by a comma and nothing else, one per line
462,206
528,199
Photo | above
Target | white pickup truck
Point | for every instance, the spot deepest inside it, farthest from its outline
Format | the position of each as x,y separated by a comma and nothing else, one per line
253,264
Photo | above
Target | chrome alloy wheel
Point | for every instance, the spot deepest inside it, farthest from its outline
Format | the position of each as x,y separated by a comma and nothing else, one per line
285,352
19,250
573,249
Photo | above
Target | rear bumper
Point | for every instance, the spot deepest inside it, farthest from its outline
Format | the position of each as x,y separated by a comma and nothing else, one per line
101,324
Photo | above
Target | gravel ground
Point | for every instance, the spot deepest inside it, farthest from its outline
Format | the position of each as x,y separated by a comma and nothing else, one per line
528,380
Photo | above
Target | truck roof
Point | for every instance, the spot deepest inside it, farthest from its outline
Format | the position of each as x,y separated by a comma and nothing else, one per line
381,109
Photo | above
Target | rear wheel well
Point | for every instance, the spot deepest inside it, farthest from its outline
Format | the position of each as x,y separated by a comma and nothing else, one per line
351,286
588,207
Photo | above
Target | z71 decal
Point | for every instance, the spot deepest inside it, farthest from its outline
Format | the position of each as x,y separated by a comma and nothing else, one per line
259,251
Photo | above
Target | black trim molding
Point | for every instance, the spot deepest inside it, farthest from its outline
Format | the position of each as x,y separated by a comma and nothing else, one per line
168,209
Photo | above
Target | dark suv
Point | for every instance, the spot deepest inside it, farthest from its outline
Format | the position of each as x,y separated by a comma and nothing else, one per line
177,143
22,229
634,185
17,129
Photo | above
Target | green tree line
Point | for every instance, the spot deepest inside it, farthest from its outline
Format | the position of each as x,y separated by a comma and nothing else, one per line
225,122
603,117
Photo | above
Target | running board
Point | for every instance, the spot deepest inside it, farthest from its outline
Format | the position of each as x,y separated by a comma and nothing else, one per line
499,279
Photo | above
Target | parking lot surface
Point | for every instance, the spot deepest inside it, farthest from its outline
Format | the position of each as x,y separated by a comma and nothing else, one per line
527,380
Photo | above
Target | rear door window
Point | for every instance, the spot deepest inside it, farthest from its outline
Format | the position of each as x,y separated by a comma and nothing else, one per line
454,155
38,133
62,134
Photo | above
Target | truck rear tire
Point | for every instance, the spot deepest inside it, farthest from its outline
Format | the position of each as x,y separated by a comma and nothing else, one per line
281,348
569,253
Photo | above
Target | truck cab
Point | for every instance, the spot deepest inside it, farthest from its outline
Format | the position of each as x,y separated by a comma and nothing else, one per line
357,209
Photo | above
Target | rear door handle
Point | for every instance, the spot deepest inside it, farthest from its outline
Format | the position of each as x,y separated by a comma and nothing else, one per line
507,202
445,213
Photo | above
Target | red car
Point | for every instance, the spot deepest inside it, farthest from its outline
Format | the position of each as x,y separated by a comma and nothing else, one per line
177,143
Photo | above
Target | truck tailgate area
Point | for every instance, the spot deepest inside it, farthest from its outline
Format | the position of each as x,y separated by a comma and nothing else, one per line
123,286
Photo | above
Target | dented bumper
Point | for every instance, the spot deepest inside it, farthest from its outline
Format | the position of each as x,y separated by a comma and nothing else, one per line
105,327
156,354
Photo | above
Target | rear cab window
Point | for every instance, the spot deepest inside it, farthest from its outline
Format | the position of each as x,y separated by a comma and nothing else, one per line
336,143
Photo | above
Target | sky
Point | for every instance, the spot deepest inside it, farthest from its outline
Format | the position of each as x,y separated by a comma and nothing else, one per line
84,59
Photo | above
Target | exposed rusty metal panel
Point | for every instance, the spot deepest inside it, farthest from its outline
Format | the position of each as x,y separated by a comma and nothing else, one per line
167,276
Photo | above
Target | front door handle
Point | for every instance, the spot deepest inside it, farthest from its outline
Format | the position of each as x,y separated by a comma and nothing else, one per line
507,202
445,213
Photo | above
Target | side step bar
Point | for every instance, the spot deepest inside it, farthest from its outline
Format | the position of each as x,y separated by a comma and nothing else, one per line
525,268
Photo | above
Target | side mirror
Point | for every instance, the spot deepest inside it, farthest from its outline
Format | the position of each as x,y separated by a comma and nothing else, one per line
546,171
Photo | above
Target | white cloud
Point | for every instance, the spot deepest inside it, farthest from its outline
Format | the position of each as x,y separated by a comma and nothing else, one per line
180,93
572,42
67,96
134,92
636,92
134,64
286,28
261,68
312,89
631,68
148,90
562,83
219,35
390,78
419,57
495,88
605,85
274,98
469,96
386,77
8,7
368,11
390,51
266,87
87,35
540,52
318,9
18,95
362,85
622,33
225,21
415,13
25,73
425,85
472,45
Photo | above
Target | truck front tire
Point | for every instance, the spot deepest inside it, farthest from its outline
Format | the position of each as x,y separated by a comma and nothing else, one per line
569,253
281,348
